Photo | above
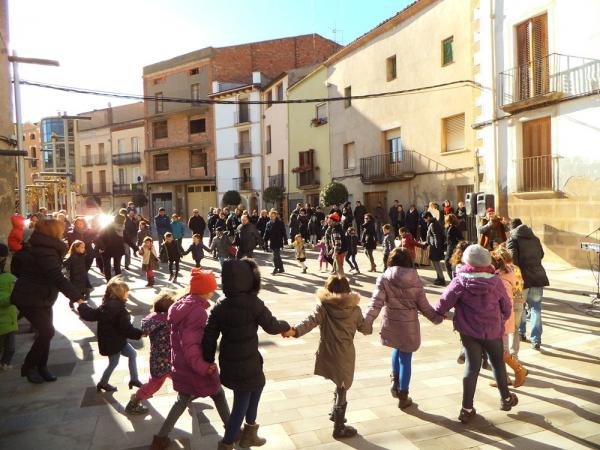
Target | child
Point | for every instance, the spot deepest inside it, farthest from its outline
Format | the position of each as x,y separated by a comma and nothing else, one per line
197,248
221,245
300,247
455,260
177,228
150,261
76,266
338,317
352,238
155,325
481,308
388,243
509,280
114,328
170,251
408,242
236,318
518,300
8,313
192,376
143,233
400,290
322,258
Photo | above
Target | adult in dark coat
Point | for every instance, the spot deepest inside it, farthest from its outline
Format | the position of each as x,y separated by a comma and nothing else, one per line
261,225
111,244
38,268
393,213
412,221
132,225
197,223
294,224
527,252
347,216
247,238
303,219
369,239
453,237
320,214
163,224
380,217
276,238
359,216
435,240
401,220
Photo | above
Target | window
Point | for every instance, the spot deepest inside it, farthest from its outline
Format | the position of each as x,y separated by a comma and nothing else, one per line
198,159
390,68
158,102
197,126
268,171
135,145
243,111
280,91
121,146
536,163
244,143
89,176
322,112
268,143
194,71
269,98
348,94
102,181
161,162
394,149
195,92
532,57
349,156
32,136
159,129
33,152
448,51
101,155
454,133
158,81
122,176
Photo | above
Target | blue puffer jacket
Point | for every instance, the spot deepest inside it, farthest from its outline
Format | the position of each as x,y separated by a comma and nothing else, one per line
177,229
163,224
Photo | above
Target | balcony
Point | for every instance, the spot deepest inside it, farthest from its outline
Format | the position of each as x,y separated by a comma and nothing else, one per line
126,158
243,149
241,117
277,181
95,189
127,189
87,161
243,184
307,179
547,79
538,173
388,167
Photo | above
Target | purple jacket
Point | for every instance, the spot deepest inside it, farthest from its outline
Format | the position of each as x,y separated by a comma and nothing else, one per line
400,292
187,317
480,302
155,325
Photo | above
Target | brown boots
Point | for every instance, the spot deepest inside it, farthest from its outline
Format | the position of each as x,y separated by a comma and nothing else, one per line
250,437
404,401
520,371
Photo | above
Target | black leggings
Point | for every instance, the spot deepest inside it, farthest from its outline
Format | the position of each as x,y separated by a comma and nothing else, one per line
176,263
41,320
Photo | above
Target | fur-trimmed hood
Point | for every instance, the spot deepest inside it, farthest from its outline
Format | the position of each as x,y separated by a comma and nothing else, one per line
341,300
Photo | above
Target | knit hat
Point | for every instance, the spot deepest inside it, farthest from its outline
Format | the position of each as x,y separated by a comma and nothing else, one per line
477,256
490,210
202,281
335,216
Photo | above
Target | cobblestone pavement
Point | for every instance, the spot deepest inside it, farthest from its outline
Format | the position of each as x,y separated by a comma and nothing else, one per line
559,406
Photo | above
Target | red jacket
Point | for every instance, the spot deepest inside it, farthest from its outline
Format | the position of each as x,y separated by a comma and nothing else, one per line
409,243
15,238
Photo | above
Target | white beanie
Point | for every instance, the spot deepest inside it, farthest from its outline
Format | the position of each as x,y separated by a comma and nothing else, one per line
477,256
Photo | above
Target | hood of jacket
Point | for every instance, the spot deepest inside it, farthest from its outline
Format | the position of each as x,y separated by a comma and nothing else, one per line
340,306
41,240
180,310
400,279
523,232
18,221
237,277
477,283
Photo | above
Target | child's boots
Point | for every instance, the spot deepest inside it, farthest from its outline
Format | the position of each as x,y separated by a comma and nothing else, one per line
404,401
340,430
150,282
394,386
520,371
250,437
135,407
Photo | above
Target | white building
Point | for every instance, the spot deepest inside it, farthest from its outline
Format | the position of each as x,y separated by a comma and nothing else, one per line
541,66
238,141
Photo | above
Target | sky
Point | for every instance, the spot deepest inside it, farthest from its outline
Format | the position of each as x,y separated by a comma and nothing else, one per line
105,44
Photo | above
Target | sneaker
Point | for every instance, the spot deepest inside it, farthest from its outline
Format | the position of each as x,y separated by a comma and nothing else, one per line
535,345
135,407
508,403
465,416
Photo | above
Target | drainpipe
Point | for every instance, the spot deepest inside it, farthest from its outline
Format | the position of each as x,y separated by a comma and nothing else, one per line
494,112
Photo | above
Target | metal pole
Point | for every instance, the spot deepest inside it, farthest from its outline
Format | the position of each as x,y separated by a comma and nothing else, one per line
55,187
67,164
20,159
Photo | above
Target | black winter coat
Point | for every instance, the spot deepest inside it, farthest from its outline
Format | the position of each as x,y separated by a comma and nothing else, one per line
77,270
275,234
114,325
261,224
111,242
527,253
38,268
435,238
197,225
369,236
236,319
247,238
412,221
453,236
131,228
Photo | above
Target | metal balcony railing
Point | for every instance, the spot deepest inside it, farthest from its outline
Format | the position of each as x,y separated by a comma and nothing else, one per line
307,179
243,184
126,158
87,161
124,189
241,116
95,188
561,75
277,181
243,149
538,173
388,167
100,159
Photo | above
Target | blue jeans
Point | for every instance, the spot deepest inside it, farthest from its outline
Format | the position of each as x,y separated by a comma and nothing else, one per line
245,404
401,367
533,297
113,361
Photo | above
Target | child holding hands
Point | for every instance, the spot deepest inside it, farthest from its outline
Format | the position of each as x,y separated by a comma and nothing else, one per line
322,258
150,261
300,247
339,317
197,248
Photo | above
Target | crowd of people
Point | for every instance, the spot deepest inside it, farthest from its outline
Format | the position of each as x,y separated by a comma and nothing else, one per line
490,282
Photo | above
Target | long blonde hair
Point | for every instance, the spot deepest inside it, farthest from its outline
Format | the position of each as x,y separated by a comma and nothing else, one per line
76,243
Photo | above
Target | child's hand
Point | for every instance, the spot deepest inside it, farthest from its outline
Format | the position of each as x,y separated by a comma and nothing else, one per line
212,368
289,333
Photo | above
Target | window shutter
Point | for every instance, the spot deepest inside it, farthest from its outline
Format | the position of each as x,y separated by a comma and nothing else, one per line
301,160
455,132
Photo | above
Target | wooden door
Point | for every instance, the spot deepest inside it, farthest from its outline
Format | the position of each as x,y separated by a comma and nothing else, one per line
532,58
372,198
536,168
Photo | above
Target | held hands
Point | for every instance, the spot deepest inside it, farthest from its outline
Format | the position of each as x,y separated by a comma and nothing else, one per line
212,368
289,333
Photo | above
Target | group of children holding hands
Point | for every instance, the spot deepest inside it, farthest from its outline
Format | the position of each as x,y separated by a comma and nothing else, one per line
184,336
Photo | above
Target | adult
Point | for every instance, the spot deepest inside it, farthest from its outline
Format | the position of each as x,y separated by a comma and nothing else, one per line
130,236
359,216
197,223
401,221
492,230
393,214
262,222
275,239
527,252
303,219
131,207
347,216
320,214
334,243
294,223
412,221
112,246
369,239
28,231
233,221
379,216
38,268
435,241
213,216
447,207
335,209
434,209
254,217
247,238
162,223
177,228
461,215
453,237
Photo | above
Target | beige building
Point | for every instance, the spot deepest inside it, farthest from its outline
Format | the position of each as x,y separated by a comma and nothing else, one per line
417,147
32,143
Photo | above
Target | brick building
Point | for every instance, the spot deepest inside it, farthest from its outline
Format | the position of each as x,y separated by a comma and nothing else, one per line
180,136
